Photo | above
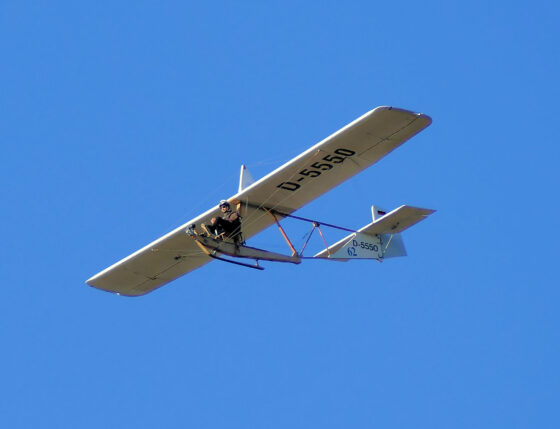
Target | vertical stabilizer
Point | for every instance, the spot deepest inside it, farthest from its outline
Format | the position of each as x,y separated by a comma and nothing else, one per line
245,178
377,212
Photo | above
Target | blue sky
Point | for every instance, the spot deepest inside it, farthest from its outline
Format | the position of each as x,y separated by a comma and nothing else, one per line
121,121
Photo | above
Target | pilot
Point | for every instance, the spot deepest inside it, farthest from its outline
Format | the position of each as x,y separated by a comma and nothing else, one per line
229,223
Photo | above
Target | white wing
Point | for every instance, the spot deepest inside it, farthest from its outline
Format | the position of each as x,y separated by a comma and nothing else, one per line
317,170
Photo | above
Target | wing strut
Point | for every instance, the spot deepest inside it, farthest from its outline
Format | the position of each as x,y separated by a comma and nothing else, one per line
324,241
282,214
316,225
294,251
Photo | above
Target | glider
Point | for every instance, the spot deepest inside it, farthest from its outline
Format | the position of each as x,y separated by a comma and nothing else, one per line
276,196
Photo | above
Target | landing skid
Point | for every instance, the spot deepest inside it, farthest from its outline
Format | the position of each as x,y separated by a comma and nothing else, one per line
214,247
243,264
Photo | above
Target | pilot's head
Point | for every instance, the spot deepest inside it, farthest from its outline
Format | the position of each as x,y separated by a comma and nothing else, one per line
224,206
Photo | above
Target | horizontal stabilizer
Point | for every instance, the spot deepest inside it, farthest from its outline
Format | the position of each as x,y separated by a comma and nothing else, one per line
378,240
397,221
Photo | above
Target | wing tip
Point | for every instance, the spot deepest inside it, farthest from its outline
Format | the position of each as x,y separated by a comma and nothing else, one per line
132,294
115,292
423,116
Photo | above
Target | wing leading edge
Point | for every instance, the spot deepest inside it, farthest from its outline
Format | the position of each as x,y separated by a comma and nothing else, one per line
325,165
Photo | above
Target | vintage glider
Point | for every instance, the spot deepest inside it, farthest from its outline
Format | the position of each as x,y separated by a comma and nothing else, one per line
263,203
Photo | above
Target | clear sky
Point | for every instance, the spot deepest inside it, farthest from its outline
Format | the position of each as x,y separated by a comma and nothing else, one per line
122,120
